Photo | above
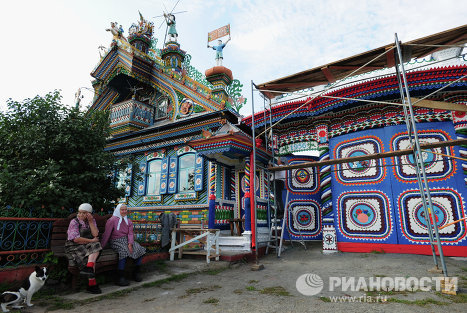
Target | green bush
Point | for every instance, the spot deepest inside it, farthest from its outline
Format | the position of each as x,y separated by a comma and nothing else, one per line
53,158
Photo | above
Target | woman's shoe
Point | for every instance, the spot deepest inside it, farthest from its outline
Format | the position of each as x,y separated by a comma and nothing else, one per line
121,279
94,289
137,274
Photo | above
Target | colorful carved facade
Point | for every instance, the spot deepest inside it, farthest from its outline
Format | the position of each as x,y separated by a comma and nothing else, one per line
375,204
178,128
194,157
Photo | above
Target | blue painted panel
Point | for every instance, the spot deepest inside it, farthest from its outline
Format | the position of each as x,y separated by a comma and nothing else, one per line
199,168
304,218
445,178
142,178
383,205
173,166
130,182
361,191
164,175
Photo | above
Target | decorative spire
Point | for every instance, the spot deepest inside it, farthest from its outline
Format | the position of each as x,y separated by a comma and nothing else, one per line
140,34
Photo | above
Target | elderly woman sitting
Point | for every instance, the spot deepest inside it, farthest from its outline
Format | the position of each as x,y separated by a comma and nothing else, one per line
119,230
83,243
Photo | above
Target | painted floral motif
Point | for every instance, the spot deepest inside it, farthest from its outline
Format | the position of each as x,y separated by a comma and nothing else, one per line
447,207
364,215
364,171
437,167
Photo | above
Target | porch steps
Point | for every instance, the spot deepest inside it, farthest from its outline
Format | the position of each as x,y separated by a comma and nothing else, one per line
234,243
242,243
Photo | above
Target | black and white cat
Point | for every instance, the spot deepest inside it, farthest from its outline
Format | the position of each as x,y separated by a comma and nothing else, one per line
29,287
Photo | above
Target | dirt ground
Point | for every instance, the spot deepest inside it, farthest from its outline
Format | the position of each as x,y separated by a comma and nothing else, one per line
224,287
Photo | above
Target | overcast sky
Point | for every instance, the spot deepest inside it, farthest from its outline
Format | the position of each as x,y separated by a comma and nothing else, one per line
49,45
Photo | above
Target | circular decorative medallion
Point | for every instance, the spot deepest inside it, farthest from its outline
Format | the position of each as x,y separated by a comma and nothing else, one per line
303,217
439,214
428,158
302,176
363,215
358,167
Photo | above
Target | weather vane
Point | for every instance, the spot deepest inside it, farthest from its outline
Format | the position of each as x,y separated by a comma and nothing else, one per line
169,19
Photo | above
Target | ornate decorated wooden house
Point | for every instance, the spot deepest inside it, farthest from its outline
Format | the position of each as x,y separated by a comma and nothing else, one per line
194,151
374,204
181,129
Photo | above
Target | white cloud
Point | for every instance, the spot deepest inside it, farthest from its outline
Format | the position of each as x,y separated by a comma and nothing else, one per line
53,44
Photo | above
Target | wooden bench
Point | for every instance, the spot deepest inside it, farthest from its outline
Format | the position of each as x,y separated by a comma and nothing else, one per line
107,260
208,238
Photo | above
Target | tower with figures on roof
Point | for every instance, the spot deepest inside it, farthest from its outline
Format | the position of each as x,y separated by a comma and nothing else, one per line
177,126
219,76
173,56
140,34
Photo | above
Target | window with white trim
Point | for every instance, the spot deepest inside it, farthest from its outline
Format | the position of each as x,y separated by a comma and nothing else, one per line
154,177
186,173
160,108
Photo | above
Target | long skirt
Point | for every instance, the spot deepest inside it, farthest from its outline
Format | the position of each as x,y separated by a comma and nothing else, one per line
77,253
120,245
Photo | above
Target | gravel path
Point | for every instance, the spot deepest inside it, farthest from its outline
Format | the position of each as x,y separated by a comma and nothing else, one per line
236,288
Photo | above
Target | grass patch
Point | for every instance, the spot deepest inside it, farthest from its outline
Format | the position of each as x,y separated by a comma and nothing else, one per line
375,293
60,304
325,299
158,265
54,303
114,295
238,291
379,275
378,251
464,269
253,281
459,298
214,271
421,302
122,293
193,291
276,291
158,283
211,301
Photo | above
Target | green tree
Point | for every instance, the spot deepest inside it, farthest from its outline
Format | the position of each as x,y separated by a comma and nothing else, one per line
52,158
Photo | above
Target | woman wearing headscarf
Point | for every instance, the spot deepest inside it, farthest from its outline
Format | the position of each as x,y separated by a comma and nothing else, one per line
82,246
119,231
